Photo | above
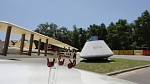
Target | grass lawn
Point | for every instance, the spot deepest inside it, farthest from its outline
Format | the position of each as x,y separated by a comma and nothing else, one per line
114,64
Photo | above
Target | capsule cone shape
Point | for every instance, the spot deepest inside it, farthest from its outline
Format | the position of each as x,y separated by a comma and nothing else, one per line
96,49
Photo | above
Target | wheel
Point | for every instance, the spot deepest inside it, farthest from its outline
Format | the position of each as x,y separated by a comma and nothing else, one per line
70,65
61,63
50,64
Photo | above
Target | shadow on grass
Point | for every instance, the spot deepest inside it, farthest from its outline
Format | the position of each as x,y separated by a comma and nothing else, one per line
98,61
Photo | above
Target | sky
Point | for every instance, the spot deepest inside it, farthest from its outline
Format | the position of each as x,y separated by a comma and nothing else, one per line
82,13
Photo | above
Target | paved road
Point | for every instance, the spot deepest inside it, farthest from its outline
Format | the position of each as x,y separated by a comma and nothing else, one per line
44,60
133,57
141,76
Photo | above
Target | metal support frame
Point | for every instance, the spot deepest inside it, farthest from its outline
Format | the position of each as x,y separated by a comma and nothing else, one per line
31,43
22,43
46,45
39,46
7,40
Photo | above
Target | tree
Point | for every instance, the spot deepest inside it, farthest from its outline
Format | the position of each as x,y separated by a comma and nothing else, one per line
123,30
43,29
75,37
96,30
92,30
102,32
119,35
142,30
53,30
63,35
82,38
132,36
112,36
47,29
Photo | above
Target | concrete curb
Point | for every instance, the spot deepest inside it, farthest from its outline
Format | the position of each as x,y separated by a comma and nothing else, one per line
126,70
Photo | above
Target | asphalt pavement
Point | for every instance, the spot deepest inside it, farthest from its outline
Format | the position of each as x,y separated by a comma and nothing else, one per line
133,57
140,76
44,60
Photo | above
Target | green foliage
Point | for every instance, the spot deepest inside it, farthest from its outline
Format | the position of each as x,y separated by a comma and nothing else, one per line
119,35
142,30
112,36
75,37
47,29
82,38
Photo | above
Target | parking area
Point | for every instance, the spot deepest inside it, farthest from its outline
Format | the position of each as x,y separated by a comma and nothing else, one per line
133,57
140,76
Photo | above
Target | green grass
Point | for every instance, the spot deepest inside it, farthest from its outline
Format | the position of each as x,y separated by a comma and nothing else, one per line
110,66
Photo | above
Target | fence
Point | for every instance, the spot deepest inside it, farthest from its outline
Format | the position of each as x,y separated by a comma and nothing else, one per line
131,52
